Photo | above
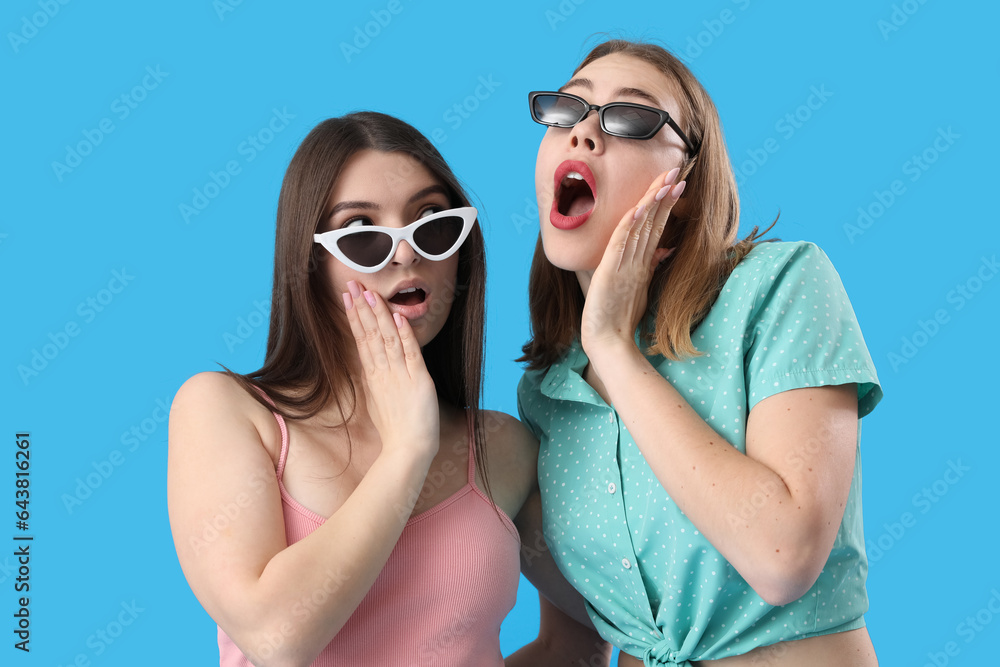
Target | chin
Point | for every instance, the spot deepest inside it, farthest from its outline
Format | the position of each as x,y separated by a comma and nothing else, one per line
574,250
425,332
570,259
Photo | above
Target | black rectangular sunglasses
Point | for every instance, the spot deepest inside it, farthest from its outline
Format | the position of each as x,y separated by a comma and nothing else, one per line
618,119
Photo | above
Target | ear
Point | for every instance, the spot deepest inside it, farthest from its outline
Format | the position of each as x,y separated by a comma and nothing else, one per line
682,208
317,258
677,221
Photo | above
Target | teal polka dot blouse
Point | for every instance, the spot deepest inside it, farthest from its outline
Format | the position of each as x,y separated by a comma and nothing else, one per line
655,587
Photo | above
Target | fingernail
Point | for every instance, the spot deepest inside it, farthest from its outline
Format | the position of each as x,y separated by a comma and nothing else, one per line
679,189
355,290
662,193
348,301
638,211
671,175
370,298
398,319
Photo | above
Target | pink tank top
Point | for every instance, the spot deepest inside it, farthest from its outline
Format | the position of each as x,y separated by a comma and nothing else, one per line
449,582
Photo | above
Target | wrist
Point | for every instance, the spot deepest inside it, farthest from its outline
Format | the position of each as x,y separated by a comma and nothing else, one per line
611,352
407,455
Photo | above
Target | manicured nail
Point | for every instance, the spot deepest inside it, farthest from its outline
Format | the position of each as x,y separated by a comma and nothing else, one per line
638,211
662,193
370,298
679,189
348,301
398,319
355,290
671,175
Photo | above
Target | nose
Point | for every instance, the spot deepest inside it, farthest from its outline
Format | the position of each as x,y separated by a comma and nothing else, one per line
405,255
588,133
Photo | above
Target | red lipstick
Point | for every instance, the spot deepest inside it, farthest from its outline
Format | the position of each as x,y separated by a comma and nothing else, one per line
573,170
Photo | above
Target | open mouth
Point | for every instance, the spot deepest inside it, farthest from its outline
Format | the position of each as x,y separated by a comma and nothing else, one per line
411,296
574,196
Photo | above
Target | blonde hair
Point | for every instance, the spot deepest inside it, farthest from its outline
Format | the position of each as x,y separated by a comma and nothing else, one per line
704,235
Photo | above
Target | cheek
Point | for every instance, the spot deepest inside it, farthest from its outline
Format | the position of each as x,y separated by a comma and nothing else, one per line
334,278
540,190
636,176
544,169
447,270
337,276
448,276
443,278
633,187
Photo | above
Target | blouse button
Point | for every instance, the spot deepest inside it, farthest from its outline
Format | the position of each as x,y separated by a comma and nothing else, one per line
611,487
626,564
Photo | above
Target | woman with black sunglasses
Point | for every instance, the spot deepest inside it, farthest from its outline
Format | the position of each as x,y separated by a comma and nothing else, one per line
348,503
697,397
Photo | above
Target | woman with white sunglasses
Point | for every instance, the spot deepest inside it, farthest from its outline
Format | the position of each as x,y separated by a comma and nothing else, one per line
348,503
697,397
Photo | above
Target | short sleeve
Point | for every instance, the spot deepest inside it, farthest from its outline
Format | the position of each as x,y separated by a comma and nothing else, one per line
803,331
527,388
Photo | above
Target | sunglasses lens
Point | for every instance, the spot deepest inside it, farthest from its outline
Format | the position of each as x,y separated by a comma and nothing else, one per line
439,235
557,110
367,248
630,122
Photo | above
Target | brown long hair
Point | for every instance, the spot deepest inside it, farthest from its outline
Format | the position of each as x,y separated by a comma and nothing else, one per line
705,235
309,344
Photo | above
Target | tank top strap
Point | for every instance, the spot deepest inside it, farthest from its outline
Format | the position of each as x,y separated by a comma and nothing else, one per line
283,456
472,448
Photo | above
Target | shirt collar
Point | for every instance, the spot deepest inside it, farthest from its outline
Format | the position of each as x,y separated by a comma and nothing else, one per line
564,379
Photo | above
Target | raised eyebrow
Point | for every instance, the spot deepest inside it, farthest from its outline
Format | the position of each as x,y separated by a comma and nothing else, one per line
429,190
637,92
583,83
344,205
372,206
625,91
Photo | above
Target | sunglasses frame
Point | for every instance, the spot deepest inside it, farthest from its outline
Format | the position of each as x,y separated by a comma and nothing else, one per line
664,117
329,239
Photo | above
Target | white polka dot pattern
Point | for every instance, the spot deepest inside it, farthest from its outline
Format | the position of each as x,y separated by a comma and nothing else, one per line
655,587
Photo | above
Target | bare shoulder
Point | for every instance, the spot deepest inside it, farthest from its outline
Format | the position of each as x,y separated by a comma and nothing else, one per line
212,388
507,437
210,400
223,496
512,459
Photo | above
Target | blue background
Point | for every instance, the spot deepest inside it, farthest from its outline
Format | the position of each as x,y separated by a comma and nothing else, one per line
895,77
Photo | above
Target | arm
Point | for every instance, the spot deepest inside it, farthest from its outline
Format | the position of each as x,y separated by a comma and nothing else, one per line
799,457
800,443
561,642
226,517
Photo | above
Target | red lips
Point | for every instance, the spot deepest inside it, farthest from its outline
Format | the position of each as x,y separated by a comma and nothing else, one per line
574,195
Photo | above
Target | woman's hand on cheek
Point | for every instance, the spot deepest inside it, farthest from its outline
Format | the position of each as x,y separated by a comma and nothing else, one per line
616,298
399,392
